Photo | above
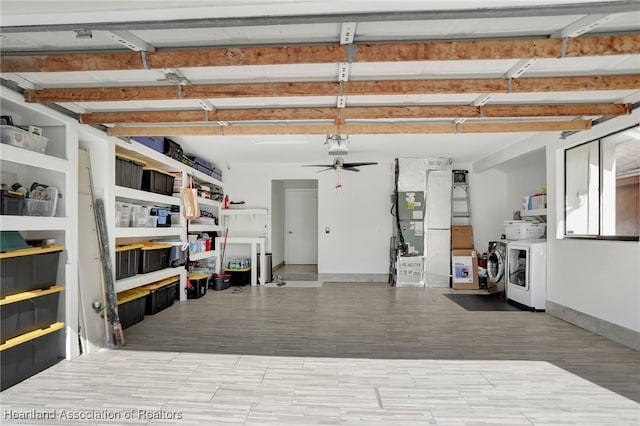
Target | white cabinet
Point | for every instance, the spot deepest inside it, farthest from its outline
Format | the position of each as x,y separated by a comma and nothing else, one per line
56,167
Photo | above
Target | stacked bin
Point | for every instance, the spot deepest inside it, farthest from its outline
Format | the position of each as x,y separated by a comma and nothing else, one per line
131,306
30,334
157,181
127,260
161,295
129,171
154,257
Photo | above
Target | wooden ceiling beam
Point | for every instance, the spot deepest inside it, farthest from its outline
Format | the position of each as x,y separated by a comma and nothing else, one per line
351,113
369,128
350,88
327,53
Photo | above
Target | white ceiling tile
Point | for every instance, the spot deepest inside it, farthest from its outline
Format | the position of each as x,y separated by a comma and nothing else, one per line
261,73
599,96
57,40
242,36
618,64
629,21
477,28
80,79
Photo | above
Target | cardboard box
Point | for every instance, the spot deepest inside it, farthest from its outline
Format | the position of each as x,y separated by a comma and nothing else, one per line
464,264
461,237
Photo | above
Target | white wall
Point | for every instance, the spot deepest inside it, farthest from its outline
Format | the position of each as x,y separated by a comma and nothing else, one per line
488,206
277,222
357,214
598,278
526,175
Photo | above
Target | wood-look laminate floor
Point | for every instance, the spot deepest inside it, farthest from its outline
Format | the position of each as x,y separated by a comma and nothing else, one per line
344,354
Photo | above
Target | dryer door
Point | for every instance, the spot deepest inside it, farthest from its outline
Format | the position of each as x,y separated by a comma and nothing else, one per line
495,266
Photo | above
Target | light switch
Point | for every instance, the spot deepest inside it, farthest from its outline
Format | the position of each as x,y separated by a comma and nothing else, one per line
327,230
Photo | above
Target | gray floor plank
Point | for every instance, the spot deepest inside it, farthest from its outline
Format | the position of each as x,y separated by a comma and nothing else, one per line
345,354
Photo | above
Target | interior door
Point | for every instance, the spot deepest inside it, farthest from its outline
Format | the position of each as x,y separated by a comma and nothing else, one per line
302,226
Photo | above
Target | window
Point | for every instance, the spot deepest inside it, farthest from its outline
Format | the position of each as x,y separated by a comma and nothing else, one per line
602,187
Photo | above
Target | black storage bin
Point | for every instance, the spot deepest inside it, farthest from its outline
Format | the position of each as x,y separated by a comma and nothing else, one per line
220,282
129,171
29,354
157,181
239,277
12,202
28,311
161,144
127,260
161,295
131,305
28,269
153,257
198,286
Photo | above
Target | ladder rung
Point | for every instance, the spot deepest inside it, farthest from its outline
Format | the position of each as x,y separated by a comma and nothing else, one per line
460,199
461,215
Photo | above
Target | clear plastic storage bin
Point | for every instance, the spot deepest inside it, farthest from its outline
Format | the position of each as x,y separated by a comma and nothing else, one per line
17,137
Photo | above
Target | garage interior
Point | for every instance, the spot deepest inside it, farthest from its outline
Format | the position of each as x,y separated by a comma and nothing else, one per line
260,89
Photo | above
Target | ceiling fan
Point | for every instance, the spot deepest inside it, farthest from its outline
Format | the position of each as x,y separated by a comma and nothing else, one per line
338,148
339,165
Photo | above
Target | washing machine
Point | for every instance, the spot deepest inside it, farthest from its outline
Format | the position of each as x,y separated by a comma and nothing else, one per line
497,265
527,273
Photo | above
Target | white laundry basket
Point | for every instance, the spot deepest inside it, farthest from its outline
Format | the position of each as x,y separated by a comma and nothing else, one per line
523,230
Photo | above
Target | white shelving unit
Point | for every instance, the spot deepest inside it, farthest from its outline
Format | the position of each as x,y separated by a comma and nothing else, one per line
58,167
178,230
203,255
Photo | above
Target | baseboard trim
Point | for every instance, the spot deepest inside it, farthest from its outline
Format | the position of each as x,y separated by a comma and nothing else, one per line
354,278
624,336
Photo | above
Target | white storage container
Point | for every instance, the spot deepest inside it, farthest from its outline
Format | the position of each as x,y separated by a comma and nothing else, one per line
17,137
523,230
123,214
42,202
410,271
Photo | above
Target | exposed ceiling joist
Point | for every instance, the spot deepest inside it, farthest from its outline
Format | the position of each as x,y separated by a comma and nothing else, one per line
349,88
369,128
378,112
313,54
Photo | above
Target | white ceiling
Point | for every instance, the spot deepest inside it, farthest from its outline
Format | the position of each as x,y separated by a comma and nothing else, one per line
230,149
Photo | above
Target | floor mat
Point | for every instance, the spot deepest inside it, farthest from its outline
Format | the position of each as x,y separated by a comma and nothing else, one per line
479,302
287,283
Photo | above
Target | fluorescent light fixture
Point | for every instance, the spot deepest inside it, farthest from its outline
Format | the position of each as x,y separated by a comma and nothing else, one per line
281,142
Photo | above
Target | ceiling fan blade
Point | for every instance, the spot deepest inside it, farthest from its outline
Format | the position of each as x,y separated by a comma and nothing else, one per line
318,165
350,169
324,170
358,164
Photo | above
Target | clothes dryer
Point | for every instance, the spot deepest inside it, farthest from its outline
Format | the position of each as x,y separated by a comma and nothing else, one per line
527,273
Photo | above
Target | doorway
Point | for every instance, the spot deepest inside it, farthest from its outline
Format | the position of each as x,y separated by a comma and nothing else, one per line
294,229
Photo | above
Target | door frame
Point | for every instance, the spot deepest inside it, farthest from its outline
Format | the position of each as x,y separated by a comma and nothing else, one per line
286,220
